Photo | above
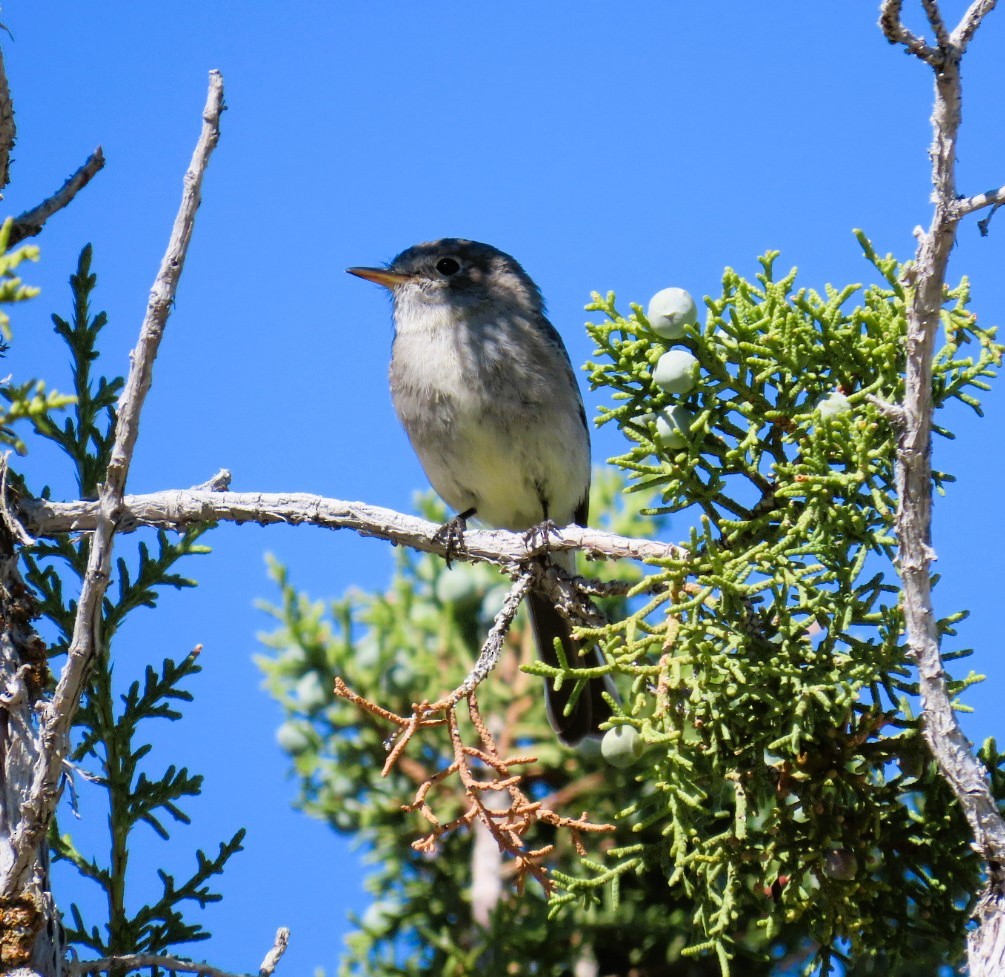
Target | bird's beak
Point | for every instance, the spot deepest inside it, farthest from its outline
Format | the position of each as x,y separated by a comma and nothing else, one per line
389,279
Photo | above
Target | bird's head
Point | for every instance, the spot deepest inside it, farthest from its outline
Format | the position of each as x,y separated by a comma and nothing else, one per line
459,273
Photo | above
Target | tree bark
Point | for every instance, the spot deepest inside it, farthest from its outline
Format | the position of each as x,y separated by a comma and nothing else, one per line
30,932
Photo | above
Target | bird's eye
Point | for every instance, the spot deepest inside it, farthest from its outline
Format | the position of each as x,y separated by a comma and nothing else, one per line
448,266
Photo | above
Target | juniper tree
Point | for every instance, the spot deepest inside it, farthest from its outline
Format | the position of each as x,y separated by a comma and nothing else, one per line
784,783
781,803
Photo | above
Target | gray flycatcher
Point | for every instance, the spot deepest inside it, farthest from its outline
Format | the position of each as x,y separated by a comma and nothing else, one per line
483,386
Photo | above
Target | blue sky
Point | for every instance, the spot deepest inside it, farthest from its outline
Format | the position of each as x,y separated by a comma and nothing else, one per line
606,146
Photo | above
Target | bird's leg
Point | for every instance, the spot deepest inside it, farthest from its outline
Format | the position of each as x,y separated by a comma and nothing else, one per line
540,534
451,534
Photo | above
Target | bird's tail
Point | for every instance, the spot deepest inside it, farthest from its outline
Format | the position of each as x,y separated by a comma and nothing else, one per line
590,709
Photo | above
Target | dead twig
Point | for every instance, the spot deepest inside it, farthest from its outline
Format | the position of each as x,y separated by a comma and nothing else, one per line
32,221
157,961
57,715
508,825
178,509
953,752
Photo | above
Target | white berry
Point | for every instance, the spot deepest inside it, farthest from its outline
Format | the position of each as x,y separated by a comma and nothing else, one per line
292,738
673,427
676,371
840,863
670,310
834,404
622,746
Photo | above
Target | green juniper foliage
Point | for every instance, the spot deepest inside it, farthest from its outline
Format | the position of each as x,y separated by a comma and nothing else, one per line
418,638
769,677
784,814
110,746
29,399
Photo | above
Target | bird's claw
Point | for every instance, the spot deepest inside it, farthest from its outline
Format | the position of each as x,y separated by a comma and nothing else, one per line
539,536
451,535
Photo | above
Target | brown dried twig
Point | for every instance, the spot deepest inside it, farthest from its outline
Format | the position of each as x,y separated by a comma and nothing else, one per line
509,825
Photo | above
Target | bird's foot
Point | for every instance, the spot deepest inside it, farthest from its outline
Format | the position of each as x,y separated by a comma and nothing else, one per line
451,534
540,535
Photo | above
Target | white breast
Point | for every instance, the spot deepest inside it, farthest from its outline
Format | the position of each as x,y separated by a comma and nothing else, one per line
498,441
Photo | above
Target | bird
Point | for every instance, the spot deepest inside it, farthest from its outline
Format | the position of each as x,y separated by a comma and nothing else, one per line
484,388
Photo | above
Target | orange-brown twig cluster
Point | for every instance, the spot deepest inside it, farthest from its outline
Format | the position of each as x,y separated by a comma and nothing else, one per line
509,825
484,775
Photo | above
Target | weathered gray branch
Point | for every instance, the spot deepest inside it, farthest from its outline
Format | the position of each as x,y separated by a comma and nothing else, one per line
938,24
953,752
969,23
156,961
32,221
990,198
492,647
129,962
896,33
57,715
29,933
275,954
190,507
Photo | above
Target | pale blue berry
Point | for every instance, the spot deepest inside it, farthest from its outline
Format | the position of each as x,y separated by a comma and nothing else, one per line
834,404
673,427
622,746
676,371
670,310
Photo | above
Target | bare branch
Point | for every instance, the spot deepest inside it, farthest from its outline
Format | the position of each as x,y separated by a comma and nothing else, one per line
275,953
57,716
178,509
32,221
948,45
896,33
954,754
990,198
7,518
942,731
938,24
984,225
893,414
969,23
220,482
492,648
141,961
986,942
